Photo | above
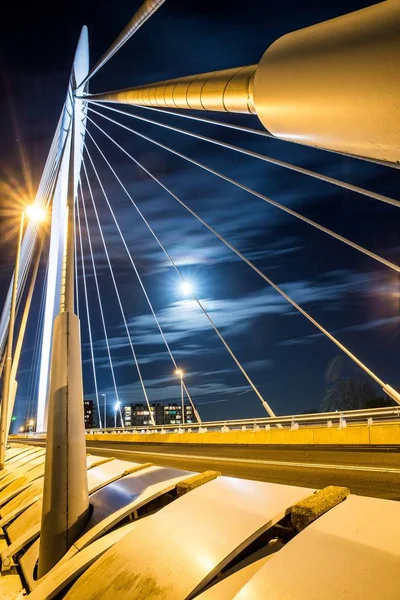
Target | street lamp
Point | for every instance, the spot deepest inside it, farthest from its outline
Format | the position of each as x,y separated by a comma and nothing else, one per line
180,373
105,411
116,408
37,214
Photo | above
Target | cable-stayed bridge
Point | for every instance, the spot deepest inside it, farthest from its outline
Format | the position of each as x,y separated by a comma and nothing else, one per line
332,87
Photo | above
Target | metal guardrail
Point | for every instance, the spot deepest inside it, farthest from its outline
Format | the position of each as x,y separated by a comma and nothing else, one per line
329,419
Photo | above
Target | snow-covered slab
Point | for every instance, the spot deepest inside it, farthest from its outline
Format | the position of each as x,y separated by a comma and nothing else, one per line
107,472
175,552
21,483
118,499
350,553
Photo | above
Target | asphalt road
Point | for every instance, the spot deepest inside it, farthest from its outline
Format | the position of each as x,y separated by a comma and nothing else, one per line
368,472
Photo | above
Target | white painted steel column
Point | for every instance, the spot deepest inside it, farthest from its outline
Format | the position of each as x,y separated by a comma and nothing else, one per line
65,493
80,70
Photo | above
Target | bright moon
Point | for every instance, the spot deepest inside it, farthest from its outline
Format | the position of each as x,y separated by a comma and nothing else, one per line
186,288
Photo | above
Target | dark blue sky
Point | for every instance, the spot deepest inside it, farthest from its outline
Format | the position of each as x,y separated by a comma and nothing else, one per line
287,358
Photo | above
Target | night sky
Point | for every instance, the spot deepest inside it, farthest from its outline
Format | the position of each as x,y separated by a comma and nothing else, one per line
288,359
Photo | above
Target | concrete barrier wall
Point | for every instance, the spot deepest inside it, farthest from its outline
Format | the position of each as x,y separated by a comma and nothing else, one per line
360,435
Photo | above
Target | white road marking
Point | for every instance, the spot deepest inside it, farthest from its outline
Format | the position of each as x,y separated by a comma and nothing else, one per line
256,461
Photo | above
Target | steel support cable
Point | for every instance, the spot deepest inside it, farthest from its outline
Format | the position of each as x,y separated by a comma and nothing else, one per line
52,175
26,313
52,158
33,374
42,196
23,277
33,377
45,198
101,310
78,219
113,278
224,342
138,275
112,273
30,234
76,257
279,163
24,269
45,193
260,273
31,240
145,11
260,132
243,187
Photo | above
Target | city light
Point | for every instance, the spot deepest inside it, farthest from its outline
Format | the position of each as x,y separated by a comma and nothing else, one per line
117,405
186,288
31,423
35,213
179,373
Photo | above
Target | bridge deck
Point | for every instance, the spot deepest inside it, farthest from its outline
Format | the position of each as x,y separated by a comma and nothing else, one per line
365,471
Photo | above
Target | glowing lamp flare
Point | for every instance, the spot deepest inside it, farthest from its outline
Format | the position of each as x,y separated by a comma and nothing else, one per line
179,373
35,213
117,405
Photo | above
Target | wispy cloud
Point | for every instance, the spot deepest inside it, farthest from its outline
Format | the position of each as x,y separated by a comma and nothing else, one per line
359,327
183,320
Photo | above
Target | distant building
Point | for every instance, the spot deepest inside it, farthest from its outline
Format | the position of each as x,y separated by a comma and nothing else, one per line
138,415
88,413
173,414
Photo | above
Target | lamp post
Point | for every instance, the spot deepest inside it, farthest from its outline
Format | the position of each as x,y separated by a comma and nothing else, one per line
105,411
120,416
117,406
36,213
180,373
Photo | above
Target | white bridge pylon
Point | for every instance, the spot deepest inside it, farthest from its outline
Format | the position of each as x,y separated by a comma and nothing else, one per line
79,71
65,505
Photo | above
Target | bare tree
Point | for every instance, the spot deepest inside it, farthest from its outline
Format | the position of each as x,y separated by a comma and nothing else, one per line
352,394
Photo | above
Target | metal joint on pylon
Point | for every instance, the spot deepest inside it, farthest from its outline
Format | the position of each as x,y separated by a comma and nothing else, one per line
334,85
230,90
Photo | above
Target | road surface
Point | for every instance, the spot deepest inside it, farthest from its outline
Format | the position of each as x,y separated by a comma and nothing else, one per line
368,472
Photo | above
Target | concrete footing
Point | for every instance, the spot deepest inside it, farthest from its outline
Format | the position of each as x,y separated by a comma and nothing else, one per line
65,493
